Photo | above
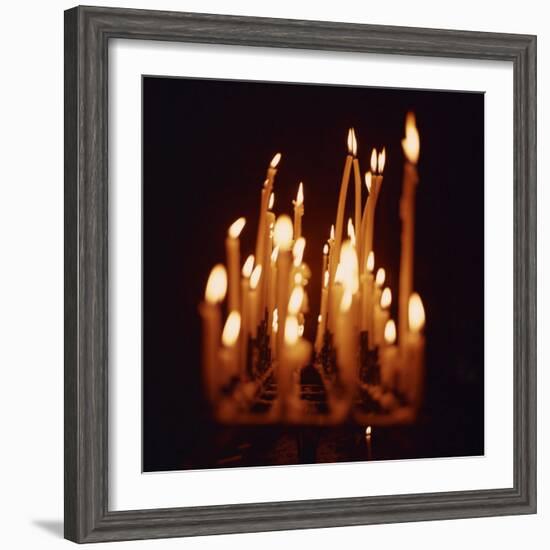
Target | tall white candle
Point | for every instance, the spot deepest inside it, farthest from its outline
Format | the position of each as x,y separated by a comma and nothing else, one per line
229,353
413,361
210,312
232,250
298,211
389,356
411,148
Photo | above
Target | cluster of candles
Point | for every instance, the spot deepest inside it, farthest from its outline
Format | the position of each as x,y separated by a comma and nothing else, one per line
269,289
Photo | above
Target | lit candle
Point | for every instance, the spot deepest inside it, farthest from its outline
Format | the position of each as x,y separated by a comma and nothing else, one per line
368,438
232,250
325,258
413,362
321,328
282,236
411,148
246,272
210,312
357,179
298,211
346,350
381,316
253,301
229,353
272,287
389,356
367,296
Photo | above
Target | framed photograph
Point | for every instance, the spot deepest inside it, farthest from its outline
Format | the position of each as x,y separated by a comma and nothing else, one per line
300,274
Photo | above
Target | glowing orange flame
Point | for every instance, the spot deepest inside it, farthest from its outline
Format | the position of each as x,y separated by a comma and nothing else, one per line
298,251
373,161
390,332
283,232
236,227
380,277
381,160
332,232
255,277
296,299
325,250
298,278
326,278
347,299
275,321
300,195
274,254
275,160
368,431
385,299
411,143
271,201
368,181
291,330
417,315
231,329
350,142
216,286
353,143
248,266
370,263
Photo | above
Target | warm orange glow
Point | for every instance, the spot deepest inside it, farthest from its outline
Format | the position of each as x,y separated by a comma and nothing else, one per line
373,161
236,227
381,160
385,299
325,250
296,299
248,266
368,181
231,329
255,277
332,232
368,431
300,195
338,275
274,254
275,321
298,251
275,160
298,278
347,299
271,201
301,328
411,143
350,142
390,332
370,263
291,330
326,278
349,267
351,232
380,277
283,232
319,318
216,286
353,143
417,316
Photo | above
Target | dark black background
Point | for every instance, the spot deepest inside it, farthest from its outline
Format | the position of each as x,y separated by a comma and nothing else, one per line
206,147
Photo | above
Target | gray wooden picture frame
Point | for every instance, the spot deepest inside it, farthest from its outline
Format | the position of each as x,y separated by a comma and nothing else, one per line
87,34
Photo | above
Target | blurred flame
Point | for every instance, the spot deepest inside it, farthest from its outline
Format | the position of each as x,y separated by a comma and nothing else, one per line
370,263
385,299
381,160
298,278
231,329
298,251
411,143
351,232
283,232
275,160
275,321
353,143
350,142
346,302
319,318
271,201
325,249
373,161
300,195
338,275
236,227
216,286
296,299
417,315
326,278
349,267
301,328
380,277
255,277
248,266
368,431
368,181
390,333
274,254
332,232
291,330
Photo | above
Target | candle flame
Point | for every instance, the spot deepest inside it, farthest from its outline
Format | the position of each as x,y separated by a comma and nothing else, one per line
325,249
300,195
298,278
368,181
255,277
326,278
271,201
346,302
411,142
274,254
283,232
368,431
373,161
275,321
231,329
275,160
301,328
390,333
353,143
349,267
291,330
370,263
350,142
296,299
319,318
338,275
332,232
248,266
216,286
298,251
417,315
236,227
351,232
381,160
380,277
385,299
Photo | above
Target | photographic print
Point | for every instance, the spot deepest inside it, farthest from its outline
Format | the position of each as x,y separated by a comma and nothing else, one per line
313,274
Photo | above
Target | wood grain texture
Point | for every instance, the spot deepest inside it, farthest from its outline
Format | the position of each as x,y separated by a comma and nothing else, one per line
87,32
